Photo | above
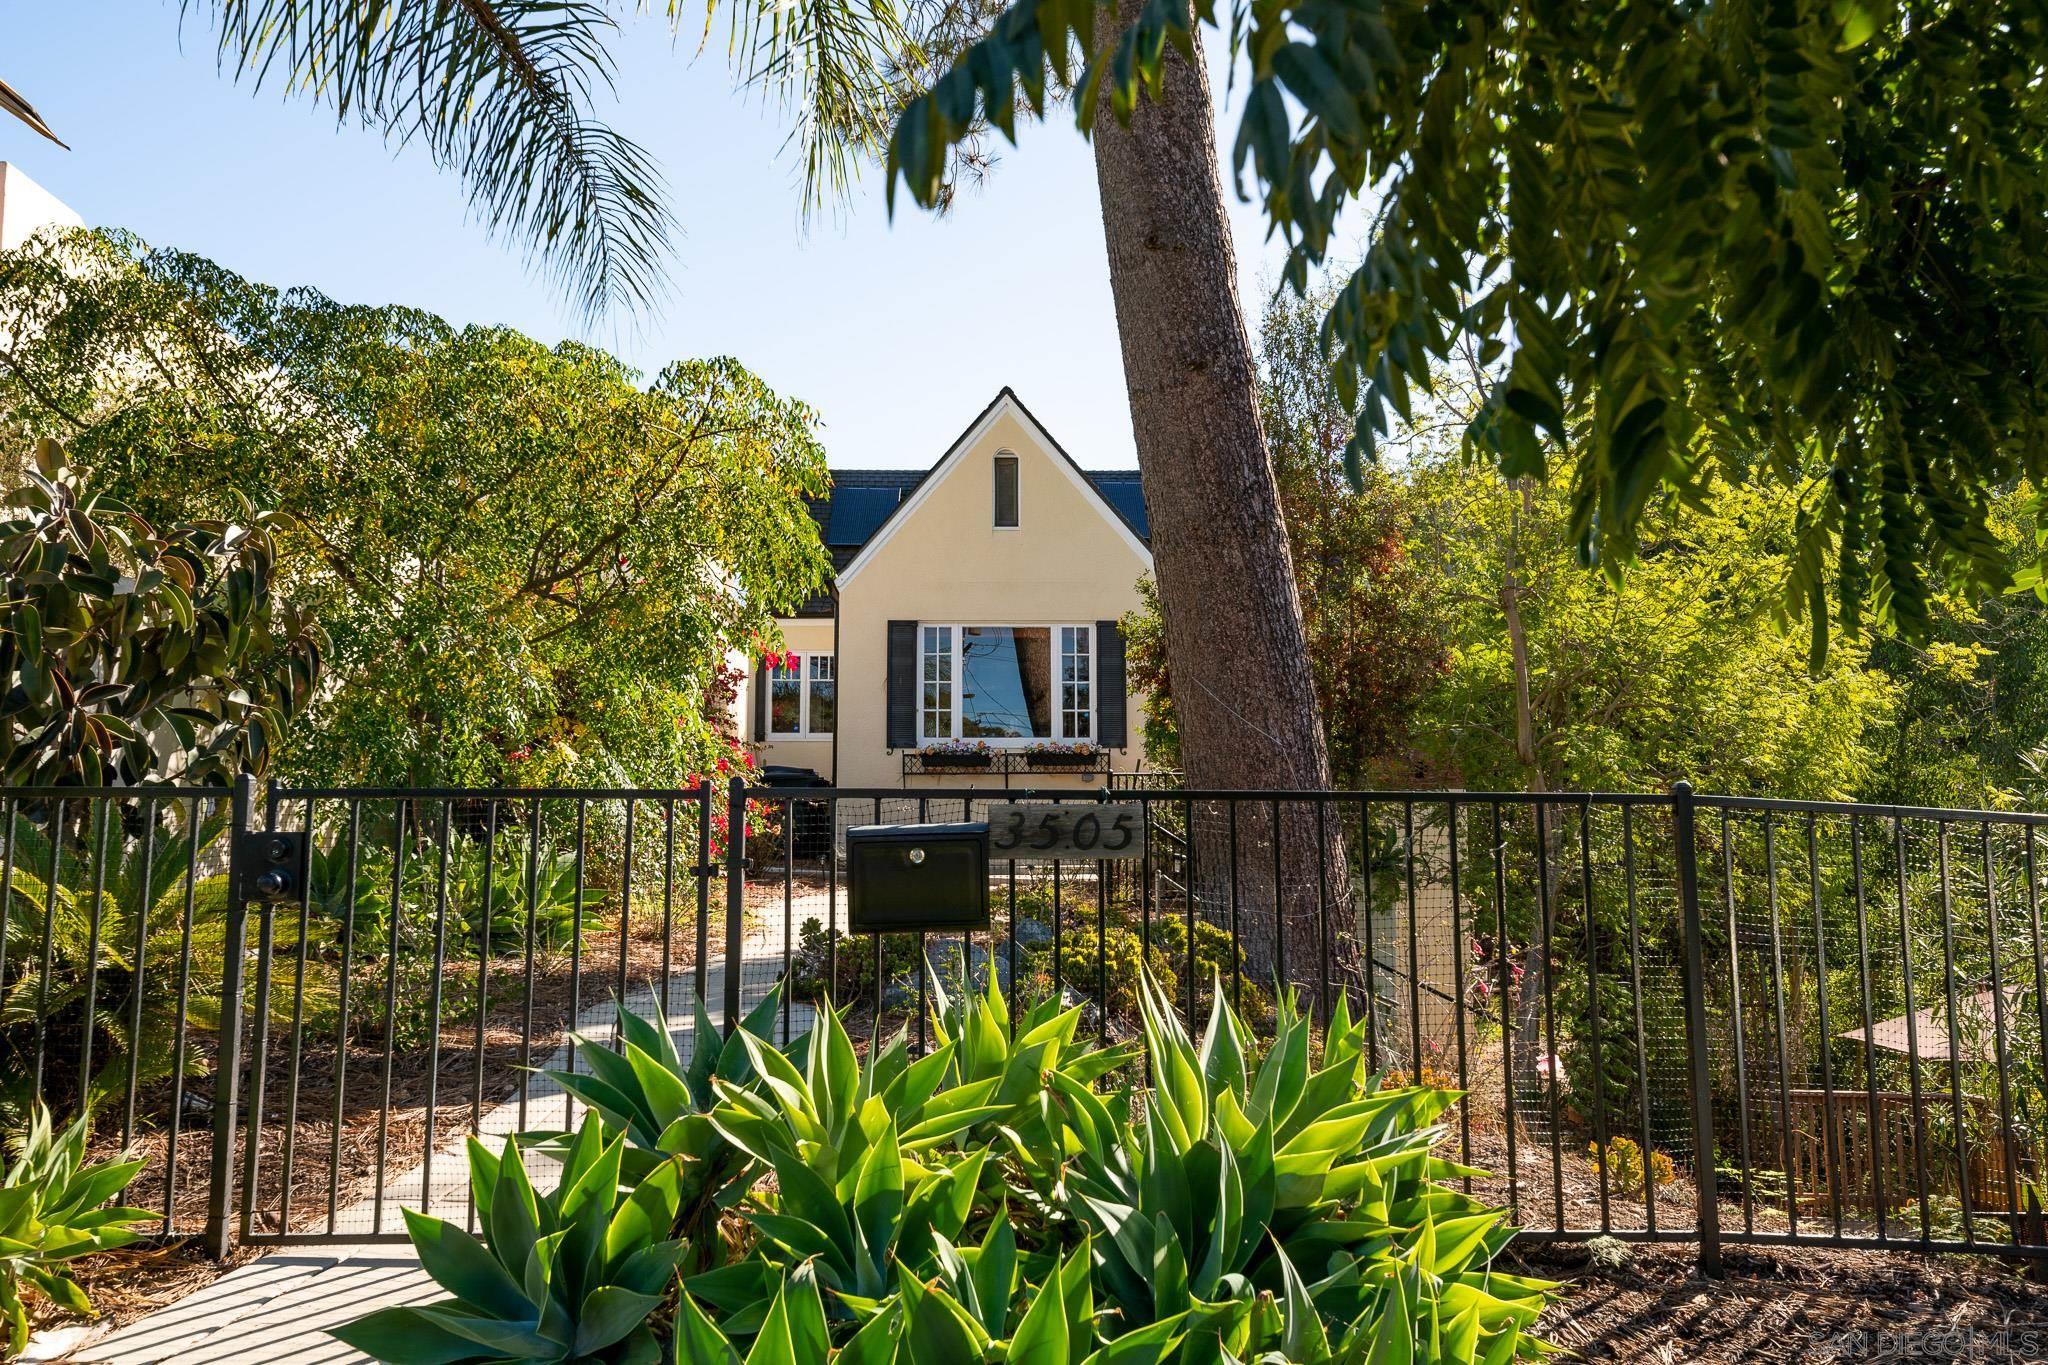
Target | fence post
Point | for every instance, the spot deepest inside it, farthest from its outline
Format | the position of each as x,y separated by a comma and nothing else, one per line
227,1061
1696,1041
735,895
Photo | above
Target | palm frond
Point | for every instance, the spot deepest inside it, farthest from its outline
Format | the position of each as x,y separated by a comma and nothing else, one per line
13,103
499,91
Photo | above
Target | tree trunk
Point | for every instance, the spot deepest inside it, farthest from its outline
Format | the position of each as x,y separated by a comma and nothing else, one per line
1238,654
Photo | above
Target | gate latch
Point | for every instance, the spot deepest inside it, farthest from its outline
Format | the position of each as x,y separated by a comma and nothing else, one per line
270,867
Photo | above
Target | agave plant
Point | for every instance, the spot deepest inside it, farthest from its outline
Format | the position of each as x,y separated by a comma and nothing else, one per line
53,1210
644,1091
993,1201
569,1276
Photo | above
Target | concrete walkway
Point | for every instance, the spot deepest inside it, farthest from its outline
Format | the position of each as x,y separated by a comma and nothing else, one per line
280,1307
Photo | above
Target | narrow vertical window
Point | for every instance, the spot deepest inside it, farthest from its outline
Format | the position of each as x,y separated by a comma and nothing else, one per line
786,697
823,698
937,661
1006,490
1076,703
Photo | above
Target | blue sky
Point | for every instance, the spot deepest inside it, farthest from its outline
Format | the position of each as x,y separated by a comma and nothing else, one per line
897,332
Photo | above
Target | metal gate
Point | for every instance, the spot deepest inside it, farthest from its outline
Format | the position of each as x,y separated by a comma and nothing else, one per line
1670,1017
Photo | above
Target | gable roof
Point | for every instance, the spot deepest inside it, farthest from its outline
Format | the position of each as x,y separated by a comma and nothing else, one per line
865,501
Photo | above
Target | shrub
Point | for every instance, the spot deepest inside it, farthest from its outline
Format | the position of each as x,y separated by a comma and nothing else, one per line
1625,1167
996,1199
53,1210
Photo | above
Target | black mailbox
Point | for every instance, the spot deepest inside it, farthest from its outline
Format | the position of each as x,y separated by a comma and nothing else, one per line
910,878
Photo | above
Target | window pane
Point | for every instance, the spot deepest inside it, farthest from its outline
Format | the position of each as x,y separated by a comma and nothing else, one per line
936,715
1006,682
824,694
1075,708
785,706
1006,490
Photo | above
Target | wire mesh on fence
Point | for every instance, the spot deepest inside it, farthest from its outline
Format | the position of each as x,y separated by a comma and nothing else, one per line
1860,1042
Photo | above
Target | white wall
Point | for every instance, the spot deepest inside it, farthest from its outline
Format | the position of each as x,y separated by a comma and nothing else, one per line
26,207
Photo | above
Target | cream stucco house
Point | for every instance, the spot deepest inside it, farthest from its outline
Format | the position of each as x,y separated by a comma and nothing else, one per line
974,607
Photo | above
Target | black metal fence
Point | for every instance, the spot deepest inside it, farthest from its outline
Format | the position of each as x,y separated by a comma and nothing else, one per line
1671,1017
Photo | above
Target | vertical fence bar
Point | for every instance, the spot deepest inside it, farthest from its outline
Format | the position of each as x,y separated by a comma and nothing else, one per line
1549,1005
1998,1031
399,809
220,1195
291,1089
1735,1022
50,885
1955,1061
1830,1137
259,1058
1280,981
1635,977
139,971
621,984
1593,1011
434,994
487,925
184,996
1236,943
1323,907
1878,1145
735,896
1457,985
348,952
576,949
1414,944
1696,1040
104,808
1912,1036
788,907
533,823
1507,1022
1785,1162
668,905
705,867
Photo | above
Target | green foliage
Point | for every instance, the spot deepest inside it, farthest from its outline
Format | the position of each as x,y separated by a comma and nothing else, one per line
993,1200
129,655
1795,244
588,545
54,1209
567,1276
1680,671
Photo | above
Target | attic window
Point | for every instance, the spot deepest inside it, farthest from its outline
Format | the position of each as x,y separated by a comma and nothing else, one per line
1006,491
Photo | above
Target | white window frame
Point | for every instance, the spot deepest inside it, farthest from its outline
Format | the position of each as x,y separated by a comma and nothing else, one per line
954,717
802,678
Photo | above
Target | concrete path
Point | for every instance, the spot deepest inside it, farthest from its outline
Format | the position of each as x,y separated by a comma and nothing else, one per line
278,1308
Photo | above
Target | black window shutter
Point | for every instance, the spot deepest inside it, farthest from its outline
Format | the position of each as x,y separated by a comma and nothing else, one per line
760,702
903,684
1112,722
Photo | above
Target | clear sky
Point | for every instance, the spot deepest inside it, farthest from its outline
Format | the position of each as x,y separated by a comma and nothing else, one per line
897,332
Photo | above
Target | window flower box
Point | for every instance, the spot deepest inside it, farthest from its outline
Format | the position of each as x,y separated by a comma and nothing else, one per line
1064,756
956,756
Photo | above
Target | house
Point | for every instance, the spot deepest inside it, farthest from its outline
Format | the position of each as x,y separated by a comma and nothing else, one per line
974,605
26,208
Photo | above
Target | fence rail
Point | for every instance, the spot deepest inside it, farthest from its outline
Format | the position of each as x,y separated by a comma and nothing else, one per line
1671,1017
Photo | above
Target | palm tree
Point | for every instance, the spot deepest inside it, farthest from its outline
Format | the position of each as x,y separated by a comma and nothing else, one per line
13,103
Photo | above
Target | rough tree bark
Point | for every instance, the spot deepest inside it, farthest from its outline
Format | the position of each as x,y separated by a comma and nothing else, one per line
1236,648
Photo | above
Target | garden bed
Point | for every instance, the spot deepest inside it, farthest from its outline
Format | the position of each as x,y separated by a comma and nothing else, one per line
1809,1304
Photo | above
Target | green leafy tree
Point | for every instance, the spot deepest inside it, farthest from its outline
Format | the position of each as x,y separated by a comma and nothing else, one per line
1795,243
588,547
135,656
1683,670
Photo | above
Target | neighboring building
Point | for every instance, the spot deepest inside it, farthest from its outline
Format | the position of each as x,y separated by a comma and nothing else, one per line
26,207
975,603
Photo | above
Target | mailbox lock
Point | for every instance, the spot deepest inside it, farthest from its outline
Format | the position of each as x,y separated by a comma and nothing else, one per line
916,856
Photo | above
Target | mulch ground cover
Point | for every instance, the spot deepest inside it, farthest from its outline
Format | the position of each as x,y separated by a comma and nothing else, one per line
1786,1305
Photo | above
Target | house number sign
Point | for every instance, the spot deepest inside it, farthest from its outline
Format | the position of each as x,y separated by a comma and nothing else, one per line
1037,831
